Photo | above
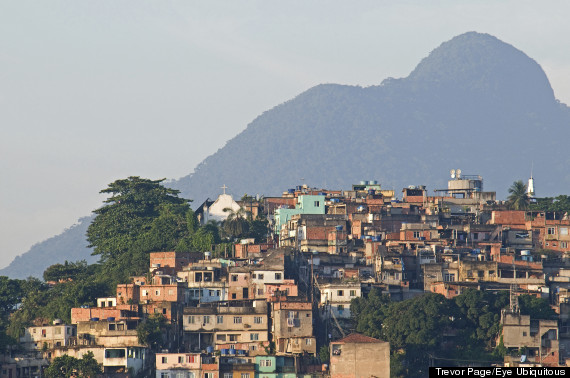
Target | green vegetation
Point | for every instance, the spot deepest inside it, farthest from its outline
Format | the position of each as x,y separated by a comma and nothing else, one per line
518,198
423,327
560,203
151,330
140,216
67,366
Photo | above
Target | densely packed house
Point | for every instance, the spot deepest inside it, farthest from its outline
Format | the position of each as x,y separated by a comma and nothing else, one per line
265,309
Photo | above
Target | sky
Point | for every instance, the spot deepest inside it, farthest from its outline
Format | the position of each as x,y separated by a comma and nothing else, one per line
94,91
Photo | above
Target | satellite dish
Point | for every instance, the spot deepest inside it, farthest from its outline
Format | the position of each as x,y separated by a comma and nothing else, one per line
452,172
459,173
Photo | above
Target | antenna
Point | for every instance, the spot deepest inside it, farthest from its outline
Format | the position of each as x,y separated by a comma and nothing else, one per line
459,173
452,172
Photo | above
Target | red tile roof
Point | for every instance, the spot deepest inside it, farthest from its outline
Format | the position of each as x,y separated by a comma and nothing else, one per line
357,338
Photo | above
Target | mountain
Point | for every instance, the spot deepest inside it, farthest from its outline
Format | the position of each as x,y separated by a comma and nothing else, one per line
69,245
475,103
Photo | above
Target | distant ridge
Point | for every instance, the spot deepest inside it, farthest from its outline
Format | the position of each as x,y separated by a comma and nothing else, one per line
69,245
474,103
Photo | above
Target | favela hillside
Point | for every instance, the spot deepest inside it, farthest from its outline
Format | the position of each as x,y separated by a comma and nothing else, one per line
316,282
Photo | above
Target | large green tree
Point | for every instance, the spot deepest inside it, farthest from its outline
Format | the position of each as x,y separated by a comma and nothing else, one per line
140,216
67,366
518,198
152,331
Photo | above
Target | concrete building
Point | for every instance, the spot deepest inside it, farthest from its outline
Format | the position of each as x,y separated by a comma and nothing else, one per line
358,356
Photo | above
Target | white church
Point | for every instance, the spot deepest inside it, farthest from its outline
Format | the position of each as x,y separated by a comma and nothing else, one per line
214,210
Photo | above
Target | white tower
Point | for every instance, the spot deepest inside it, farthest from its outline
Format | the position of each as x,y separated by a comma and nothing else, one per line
530,186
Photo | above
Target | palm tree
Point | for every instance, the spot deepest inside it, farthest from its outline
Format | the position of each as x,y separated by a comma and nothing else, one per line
518,198
236,223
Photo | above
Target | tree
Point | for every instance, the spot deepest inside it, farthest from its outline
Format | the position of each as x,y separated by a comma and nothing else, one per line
369,313
140,216
236,224
65,271
518,198
152,331
537,308
324,354
68,366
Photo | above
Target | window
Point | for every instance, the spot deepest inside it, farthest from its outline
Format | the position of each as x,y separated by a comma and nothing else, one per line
563,244
244,375
551,231
259,291
170,292
112,326
219,319
191,319
340,309
254,336
353,293
180,375
58,330
340,293
277,276
260,276
449,277
563,230
164,360
258,320
308,341
220,337
212,293
144,293
218,292
317,203
253,347
233,337
191,375
524,333
234,277
234,296
164,375
206,319
157,292
266,363
228,375
237,319
208,375
180,359
293,314
417,234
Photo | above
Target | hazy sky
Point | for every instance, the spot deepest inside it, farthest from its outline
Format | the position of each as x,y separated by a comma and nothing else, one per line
93,91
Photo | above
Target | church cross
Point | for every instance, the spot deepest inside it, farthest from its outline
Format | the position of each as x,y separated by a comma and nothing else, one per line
224,187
